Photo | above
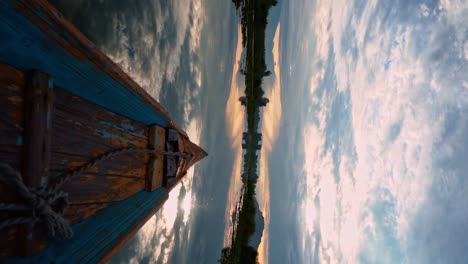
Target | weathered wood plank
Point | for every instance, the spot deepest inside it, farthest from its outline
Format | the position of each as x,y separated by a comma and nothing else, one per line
77,118
84,127
83,131
104,233
36,36
38,98
38,107
11,119
154,174
11,143
78,212
125,164
98,189
90,111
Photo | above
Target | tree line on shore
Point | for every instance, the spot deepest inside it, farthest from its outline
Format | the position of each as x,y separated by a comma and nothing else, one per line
253,18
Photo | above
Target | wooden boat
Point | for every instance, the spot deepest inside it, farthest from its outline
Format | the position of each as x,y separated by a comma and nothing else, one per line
65,104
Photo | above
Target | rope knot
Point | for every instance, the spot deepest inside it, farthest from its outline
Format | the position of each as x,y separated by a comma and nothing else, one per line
46,206
44,201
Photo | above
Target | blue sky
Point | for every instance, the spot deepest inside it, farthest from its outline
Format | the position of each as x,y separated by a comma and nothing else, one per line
382,131
365,136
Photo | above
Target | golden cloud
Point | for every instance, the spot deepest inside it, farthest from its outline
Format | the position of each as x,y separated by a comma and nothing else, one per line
235,126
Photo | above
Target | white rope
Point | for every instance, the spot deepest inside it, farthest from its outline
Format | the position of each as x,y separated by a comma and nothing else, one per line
48,205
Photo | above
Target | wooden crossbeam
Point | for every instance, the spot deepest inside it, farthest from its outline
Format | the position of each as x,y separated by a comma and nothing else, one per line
38,102
154,175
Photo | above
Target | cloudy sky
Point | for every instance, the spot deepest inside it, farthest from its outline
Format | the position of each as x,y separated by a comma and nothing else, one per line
364,138
374,135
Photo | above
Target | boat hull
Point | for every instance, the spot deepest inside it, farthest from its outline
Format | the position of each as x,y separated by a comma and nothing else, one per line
65,104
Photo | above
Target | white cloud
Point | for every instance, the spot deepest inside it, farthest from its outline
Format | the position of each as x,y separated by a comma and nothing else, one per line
159,228
424,10
465,50
157,237
151,65
401,83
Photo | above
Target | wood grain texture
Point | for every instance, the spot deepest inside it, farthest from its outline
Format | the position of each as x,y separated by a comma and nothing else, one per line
36,36
101,235
154,174
196,154
80,132
12,84
97,108
38,104
11,119
83,131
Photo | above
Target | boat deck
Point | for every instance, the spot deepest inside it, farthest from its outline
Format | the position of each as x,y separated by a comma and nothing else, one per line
64,104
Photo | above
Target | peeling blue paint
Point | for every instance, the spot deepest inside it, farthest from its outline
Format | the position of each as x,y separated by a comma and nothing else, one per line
108,135
19,141
127,128
102,231
31,40
51,83
26,47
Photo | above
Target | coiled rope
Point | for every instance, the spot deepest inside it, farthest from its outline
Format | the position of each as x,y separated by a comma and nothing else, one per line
47,205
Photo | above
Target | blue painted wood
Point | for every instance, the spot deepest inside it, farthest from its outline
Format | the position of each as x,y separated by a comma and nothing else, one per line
97,235
33,36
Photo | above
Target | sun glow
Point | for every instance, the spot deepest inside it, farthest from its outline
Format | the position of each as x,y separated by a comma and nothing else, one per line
235,123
